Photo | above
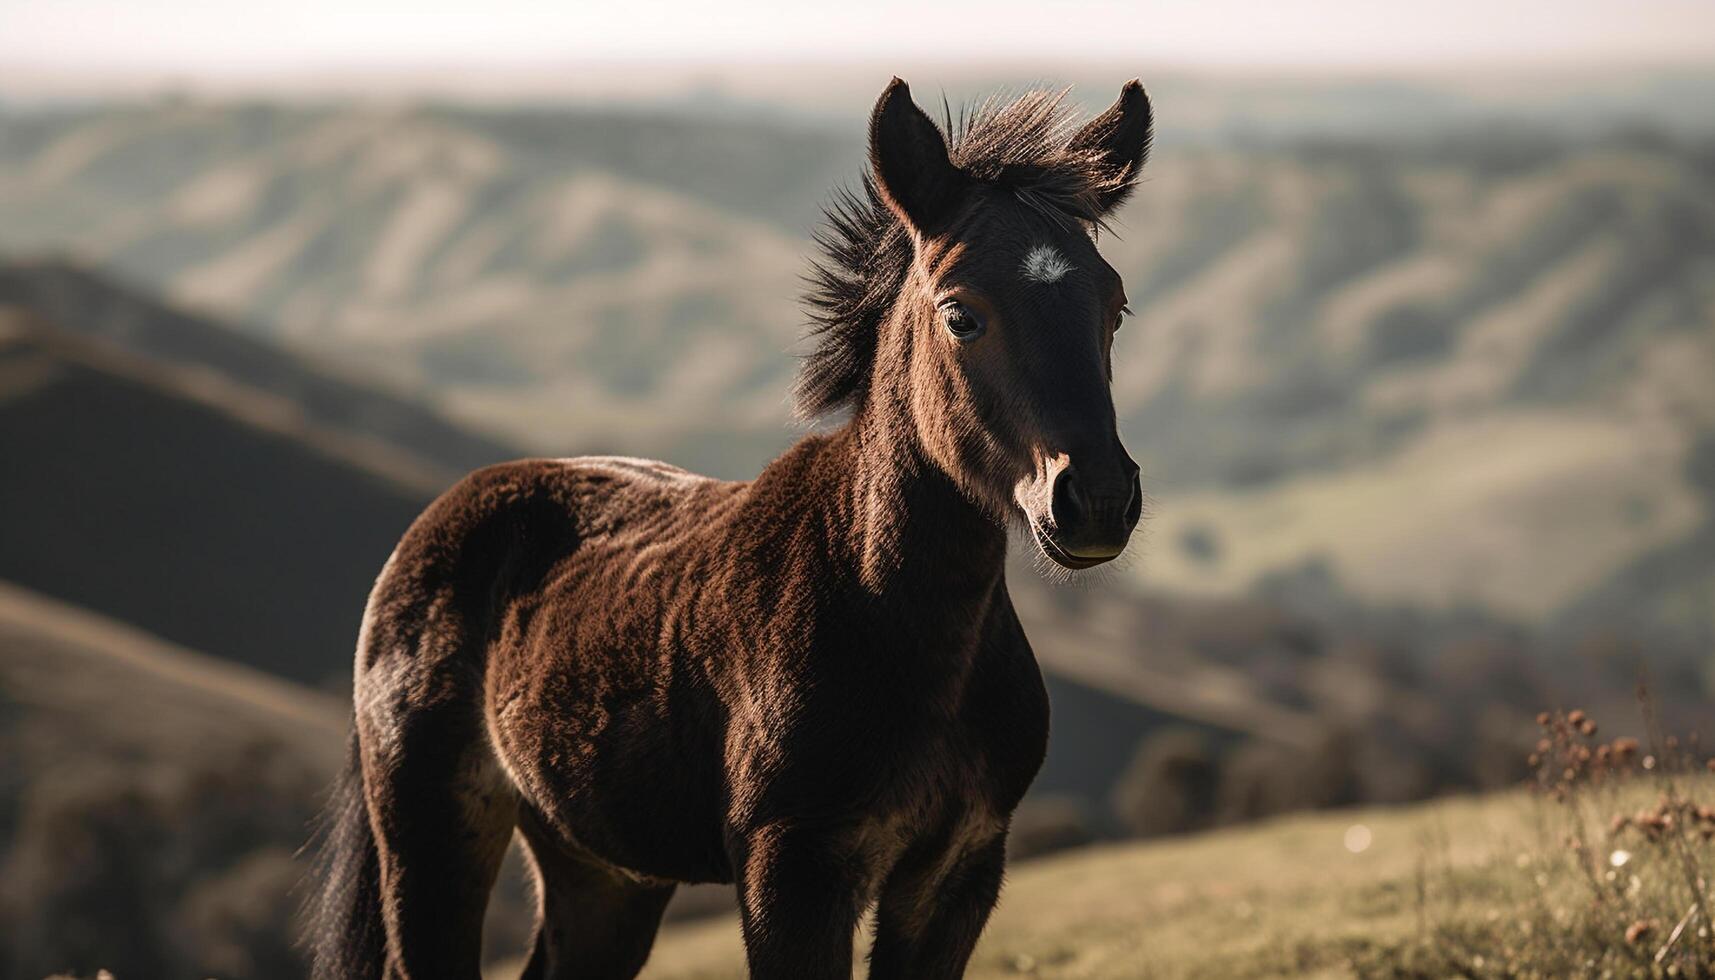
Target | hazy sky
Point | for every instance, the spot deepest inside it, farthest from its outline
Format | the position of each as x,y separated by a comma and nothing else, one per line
224,39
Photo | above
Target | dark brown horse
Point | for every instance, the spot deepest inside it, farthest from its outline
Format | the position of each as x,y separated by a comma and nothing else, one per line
812,684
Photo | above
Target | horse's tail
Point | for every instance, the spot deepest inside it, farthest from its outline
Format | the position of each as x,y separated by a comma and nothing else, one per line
345,935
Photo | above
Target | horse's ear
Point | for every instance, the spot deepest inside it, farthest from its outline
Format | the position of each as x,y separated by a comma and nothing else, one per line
1121,136
909,157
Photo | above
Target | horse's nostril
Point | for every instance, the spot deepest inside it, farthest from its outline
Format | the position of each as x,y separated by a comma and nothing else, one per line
1134,505
1068,504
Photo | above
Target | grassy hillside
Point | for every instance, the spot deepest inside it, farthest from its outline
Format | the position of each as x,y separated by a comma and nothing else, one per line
1416,367
1283,898
474,256
1335,894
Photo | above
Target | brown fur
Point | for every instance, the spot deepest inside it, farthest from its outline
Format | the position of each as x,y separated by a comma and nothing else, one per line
812,684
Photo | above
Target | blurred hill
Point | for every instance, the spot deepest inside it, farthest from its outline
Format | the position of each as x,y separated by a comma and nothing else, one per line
151,800
470,256
193,508
167,488
184,485
206,352
194,490
1425,418
1449,344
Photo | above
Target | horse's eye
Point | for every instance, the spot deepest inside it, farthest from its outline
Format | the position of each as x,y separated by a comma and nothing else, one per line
1119,321
960,321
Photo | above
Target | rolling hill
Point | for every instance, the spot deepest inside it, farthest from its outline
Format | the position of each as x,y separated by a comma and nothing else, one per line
237,506
192,508
152,797
228,498
177,497
1405,361
193,522
204,351
1425,420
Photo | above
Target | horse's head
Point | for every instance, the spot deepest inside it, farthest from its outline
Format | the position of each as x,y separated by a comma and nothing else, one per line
1001,332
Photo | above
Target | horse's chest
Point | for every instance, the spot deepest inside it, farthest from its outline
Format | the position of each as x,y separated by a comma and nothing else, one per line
933,793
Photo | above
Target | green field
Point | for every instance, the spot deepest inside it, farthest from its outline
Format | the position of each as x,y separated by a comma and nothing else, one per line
1286,897
1280,898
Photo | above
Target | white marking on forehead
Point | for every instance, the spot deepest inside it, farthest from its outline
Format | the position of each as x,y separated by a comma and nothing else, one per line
1044,264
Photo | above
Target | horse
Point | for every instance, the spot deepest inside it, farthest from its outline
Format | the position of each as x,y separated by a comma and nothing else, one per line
813,684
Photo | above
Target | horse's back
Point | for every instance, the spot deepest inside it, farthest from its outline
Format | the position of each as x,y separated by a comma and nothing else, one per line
501,523
468,574
488,550
585,496
539,591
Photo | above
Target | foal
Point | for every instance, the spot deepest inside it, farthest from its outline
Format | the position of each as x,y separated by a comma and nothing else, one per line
812,684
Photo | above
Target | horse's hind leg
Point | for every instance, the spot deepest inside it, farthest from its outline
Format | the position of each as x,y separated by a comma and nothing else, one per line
441,810
593,923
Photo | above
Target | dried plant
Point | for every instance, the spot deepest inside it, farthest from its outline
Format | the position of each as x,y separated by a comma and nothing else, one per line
1618,884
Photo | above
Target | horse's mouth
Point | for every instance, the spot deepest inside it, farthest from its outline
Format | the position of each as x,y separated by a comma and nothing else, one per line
1065,559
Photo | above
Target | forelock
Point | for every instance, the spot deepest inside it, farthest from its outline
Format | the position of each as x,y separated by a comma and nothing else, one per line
1020,145
1023,145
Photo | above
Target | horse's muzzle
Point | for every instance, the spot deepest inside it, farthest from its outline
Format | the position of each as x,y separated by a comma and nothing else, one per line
1093,515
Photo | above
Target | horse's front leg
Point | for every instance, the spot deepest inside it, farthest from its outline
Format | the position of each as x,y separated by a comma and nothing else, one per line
932,909
799,897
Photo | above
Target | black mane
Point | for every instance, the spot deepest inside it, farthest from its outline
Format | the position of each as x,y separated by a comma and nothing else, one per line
1022,145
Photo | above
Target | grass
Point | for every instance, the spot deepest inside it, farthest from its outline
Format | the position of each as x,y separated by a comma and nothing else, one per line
1617,886
1285,897
1458,886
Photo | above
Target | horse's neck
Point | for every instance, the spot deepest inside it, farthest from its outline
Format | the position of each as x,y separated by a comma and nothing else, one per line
909,528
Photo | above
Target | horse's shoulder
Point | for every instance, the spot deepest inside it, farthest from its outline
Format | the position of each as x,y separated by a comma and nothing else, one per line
1006,664
1002,629
1007,702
